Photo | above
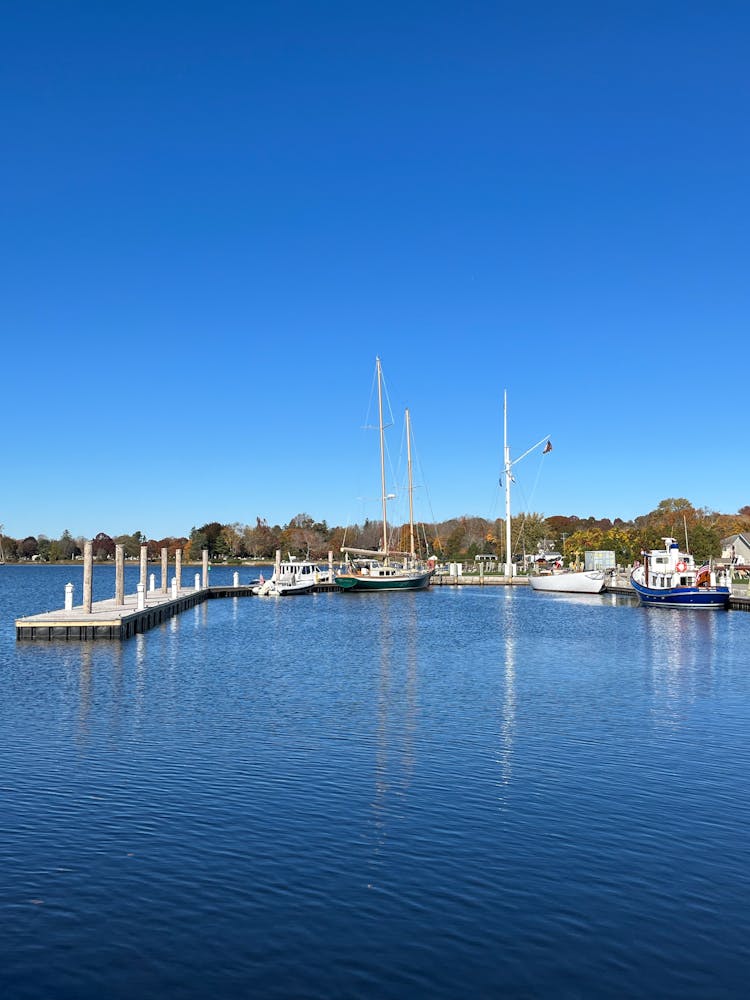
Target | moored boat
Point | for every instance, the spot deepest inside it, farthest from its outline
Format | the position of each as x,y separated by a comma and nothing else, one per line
669,578
294,576
369,571
371,575
564,582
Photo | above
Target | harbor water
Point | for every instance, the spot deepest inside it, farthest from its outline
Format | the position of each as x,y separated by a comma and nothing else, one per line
462,792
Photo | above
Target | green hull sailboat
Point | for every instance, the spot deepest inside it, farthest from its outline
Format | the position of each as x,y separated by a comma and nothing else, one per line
374,571
384,578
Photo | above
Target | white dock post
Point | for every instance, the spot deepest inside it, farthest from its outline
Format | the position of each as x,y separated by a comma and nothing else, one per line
119,575
174,588
330,565
277,564
152,582
205,567
88,576
178,567
235,579
141,592
164,561
197,581
68,596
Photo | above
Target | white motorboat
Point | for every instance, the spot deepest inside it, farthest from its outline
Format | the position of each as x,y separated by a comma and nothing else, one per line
294,576
562,582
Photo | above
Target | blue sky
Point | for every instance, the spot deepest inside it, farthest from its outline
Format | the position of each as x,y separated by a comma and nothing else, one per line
215,216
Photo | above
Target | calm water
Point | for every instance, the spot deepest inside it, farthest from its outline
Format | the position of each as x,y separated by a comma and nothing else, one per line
458,793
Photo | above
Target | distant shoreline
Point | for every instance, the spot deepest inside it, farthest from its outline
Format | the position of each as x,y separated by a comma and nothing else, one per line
133,562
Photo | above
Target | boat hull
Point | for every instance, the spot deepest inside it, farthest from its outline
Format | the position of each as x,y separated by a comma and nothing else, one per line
708,598
351,582
569,583
291,590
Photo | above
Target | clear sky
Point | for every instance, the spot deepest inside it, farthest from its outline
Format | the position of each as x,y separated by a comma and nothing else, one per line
215,215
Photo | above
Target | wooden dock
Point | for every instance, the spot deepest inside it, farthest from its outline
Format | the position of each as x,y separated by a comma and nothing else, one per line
482,580
109,620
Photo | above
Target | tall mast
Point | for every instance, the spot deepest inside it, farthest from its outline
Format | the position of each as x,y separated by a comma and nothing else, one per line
507,467
382,458
412,553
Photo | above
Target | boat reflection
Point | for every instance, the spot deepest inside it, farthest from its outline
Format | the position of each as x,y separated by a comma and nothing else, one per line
396,715
681,651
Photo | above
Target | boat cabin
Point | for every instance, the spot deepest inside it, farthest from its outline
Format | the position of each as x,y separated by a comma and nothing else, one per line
296,571
375,569
668,567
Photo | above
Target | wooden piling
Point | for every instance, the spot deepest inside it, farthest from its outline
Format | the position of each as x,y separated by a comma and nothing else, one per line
119,575
144,566
88,576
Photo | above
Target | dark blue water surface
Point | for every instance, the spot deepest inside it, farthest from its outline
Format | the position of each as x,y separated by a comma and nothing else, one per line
477,792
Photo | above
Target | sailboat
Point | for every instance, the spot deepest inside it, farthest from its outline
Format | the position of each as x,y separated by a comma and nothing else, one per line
372,570
563,581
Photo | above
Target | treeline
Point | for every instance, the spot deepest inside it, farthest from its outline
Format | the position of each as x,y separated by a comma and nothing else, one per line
460,538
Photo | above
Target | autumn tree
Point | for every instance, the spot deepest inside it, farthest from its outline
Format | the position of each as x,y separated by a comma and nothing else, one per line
232,539
103,546
263,540
29,547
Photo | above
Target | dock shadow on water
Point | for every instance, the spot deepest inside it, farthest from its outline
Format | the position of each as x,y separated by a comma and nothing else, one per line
447,793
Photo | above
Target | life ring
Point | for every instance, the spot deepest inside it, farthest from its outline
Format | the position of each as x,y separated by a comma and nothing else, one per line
681,566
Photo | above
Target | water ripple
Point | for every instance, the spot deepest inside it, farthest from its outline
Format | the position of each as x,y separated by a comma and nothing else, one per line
469,792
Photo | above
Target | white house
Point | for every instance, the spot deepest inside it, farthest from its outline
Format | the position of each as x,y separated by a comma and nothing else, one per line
736,550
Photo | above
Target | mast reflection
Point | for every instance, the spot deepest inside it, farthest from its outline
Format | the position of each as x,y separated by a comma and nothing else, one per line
508,700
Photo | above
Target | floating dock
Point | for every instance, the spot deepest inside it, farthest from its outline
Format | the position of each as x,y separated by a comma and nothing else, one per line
110,620
125,615
483,580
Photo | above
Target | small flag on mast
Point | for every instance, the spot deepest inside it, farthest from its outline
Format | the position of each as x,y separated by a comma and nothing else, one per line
547,448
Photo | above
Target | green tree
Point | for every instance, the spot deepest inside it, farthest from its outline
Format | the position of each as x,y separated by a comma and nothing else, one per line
198,542
68,547
705,542
207,537
527,532
131,544
454,543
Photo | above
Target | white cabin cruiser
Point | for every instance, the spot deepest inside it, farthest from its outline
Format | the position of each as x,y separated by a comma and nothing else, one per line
294,576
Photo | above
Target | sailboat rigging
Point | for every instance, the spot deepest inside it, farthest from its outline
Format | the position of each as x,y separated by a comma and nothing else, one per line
510,567
373,570
585,582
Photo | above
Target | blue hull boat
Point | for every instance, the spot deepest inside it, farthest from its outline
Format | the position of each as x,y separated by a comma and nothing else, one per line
669,578
683,597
